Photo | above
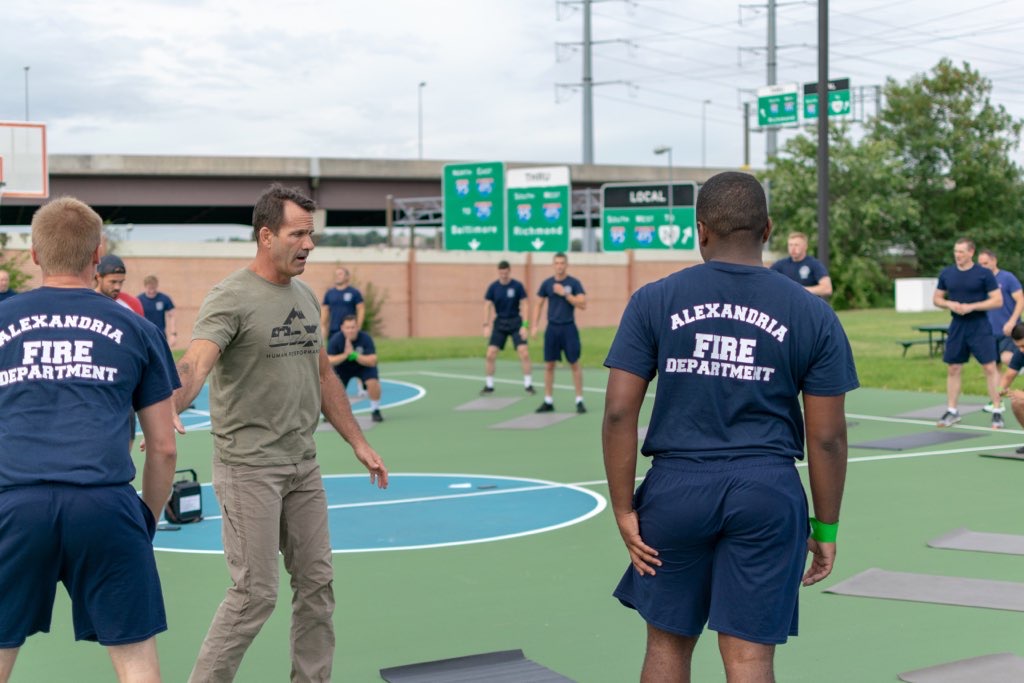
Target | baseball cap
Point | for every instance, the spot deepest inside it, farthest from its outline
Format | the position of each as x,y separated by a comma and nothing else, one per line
110,264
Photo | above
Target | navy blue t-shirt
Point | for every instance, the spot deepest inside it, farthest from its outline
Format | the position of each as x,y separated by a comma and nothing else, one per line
7,295
968,287
72,363
342,303
808,271
363,345
560,311
506,298
732,346
155,309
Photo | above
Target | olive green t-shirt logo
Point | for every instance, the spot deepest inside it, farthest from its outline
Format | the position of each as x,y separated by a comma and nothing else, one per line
290,332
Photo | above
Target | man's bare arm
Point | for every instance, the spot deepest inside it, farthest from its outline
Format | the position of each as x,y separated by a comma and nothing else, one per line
161,454
193,368
823,288
825,423
623,398
336,408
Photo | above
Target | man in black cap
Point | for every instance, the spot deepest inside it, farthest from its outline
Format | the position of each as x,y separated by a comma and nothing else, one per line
110,275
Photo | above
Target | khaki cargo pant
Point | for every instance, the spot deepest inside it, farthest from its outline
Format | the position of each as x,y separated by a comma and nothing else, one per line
267,509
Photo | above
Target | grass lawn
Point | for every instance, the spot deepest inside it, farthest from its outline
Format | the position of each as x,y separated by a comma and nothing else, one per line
873,334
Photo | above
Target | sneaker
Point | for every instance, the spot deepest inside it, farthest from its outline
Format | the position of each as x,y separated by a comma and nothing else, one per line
546,408
949,419
989,407
376,416
580,408
1020,450
530,390
997,421
486,390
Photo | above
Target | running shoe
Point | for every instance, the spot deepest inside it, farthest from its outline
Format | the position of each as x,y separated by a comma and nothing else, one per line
989,407
486,390
580,408
949,419
376,416
546,408
530,390
997,420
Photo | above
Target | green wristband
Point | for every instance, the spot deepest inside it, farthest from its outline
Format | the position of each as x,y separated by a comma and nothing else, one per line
824,533
353,355
526,324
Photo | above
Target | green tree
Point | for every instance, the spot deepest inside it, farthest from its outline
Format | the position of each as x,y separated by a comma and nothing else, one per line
870,209
953,145
13,265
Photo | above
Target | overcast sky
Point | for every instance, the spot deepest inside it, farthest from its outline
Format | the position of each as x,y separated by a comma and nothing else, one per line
337,78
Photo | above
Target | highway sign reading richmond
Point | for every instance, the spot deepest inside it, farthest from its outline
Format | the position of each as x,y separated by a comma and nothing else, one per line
539,209
474,206
638,216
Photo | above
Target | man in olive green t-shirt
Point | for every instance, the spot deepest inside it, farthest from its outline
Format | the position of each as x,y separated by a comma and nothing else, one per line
258,338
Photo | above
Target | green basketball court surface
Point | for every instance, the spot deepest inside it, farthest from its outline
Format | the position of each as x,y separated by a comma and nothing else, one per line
547,590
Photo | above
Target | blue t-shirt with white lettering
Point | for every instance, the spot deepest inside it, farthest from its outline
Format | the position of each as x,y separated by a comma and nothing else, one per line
808,271
506,298
732,346
997,317
155,309
560,311
72,364
968,287
342,303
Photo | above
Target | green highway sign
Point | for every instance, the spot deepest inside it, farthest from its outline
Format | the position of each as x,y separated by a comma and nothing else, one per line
777,105
474,206
539,212
838,98
641,216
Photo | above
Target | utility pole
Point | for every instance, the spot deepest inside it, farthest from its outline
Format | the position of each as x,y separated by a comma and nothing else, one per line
772,135
823,199
588,89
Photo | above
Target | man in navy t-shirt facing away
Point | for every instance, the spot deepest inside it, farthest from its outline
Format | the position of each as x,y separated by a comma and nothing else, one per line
72,363
563,294
717,533
968,290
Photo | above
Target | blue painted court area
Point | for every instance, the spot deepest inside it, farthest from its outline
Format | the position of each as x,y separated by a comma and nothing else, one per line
393,394
418,511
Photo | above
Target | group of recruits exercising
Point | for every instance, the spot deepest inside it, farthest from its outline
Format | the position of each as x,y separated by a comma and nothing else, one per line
717,534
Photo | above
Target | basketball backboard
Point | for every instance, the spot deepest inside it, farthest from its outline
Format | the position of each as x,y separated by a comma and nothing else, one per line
23,163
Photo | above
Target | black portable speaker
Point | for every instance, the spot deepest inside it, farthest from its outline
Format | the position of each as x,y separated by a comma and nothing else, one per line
186,503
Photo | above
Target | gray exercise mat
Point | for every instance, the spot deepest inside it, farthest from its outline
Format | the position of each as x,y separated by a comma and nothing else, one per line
509,666
936,412
534,421
1008,456
488,404
941,590
899,443
965,539
365,423
1004,667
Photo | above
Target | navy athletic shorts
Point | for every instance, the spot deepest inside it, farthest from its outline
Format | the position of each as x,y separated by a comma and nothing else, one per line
964,341
561,337
362,372
732,538
97,541
502,329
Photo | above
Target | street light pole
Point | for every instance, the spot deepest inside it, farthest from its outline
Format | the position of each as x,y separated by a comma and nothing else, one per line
704,133
419,116
26,93
665,149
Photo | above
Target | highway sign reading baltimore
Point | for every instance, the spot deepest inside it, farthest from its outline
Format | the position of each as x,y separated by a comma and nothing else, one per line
474,206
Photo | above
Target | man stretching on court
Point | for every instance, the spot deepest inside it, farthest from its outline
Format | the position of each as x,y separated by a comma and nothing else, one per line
68,510
565,294
507,301
718,530
353,354
258,337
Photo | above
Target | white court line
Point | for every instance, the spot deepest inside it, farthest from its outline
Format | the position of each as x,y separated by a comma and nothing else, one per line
479,378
